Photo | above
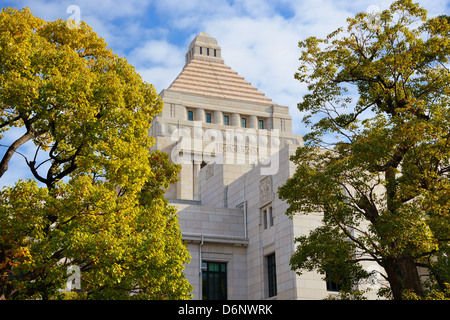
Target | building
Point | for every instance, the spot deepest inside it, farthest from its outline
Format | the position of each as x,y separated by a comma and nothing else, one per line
234,145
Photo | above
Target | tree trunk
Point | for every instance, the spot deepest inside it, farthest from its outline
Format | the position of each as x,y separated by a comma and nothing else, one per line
403,275
393,278
410,275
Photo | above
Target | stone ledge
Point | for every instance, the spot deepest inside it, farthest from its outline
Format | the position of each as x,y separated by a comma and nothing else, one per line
214,238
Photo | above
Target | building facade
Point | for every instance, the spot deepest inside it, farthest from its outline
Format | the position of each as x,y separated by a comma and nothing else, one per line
234,145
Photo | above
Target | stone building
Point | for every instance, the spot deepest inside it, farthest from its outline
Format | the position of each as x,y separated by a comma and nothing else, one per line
234,145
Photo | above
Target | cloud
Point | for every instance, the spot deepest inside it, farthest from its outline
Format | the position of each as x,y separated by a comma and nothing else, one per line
158,62
157,52
160,77
264,52
259,39
106,10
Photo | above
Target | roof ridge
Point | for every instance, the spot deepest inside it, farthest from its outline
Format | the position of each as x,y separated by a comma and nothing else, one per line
205,73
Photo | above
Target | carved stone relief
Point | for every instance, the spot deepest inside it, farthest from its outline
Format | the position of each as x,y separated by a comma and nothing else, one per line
265,191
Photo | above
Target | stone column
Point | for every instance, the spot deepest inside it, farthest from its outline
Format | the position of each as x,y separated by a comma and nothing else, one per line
180,112
200,115
253,122
185,184
236,120
218,117
269,123
195,174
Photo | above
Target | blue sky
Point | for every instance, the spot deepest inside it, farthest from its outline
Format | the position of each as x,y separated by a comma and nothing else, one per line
258,37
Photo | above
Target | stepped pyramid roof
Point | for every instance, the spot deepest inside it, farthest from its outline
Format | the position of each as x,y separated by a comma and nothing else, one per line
206,74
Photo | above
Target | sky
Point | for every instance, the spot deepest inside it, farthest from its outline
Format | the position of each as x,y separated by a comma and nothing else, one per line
259,38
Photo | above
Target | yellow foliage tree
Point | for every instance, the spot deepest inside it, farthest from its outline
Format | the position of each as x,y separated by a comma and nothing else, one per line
381,86
100,203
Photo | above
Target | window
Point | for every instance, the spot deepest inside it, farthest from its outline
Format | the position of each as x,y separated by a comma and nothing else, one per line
191,115
208,118
261,124
267,217
201,50
336,285
271,275
215,53
207,51
214,280
332,286
244,123
270,213
226,120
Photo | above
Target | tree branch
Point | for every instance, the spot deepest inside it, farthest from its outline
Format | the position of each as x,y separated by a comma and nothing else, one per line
30,134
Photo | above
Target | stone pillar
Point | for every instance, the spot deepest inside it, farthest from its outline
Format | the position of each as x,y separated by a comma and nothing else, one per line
269,123
236,120
218,117
200,115
185,184
180,112
253,122
195,175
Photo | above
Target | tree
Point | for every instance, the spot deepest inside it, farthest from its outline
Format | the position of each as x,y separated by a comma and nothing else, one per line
377,160
97,197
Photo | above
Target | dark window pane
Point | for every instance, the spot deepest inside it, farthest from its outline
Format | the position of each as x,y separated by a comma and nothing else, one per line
214,281
261,124
270,216
272,274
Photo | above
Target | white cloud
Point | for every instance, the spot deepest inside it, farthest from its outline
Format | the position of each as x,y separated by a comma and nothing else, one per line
160,77
258,43
264,51
158,62
157,52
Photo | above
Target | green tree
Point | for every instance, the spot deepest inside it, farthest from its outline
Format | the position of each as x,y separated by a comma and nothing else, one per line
97,197
377,160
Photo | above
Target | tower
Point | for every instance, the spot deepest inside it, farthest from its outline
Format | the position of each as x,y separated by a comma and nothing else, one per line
204,47
209,96
227,135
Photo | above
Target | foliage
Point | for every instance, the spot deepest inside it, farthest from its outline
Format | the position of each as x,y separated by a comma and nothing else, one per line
100,202
377,161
